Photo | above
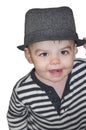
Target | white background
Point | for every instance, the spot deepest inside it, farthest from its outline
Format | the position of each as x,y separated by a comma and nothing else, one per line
13,64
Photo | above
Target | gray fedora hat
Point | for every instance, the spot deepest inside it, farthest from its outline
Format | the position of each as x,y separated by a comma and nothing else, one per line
50,24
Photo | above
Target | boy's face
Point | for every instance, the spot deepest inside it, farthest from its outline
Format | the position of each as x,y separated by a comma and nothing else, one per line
53,60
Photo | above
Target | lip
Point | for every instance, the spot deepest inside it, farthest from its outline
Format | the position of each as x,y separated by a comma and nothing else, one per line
57,72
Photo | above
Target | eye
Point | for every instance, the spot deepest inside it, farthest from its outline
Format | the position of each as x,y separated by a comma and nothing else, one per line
43,54
64,52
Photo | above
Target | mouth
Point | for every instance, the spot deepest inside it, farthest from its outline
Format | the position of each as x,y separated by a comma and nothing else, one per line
57,72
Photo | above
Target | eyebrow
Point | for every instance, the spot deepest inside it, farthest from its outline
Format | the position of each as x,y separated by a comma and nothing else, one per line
67,47
38,50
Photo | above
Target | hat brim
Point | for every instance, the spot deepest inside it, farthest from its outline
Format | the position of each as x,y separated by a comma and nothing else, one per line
79,43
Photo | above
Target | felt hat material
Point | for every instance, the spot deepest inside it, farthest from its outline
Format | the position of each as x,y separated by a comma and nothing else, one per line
50,24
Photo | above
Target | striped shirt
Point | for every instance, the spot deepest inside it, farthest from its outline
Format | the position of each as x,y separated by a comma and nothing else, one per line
36,106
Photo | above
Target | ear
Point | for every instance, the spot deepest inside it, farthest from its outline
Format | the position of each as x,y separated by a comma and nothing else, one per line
76,50
28,54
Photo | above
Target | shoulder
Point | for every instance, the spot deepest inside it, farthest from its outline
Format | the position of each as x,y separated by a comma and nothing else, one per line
26,89
80,60
80,63
79,68
78,74
22,82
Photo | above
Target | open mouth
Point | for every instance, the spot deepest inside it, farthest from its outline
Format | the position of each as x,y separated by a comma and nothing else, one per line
56,71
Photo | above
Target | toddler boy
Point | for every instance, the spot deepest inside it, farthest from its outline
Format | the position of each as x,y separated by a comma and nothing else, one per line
53,95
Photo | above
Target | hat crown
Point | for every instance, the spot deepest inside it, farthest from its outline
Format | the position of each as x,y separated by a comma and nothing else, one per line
51,18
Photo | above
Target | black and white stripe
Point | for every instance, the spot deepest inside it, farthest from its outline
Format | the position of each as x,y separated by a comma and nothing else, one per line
36,106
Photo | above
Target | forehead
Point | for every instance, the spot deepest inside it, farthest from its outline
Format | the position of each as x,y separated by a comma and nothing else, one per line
56,43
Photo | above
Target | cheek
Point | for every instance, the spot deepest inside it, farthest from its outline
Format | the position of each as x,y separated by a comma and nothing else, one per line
68,63
39,64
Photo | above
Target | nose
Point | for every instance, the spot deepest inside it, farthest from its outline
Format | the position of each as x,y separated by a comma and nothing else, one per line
55,60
